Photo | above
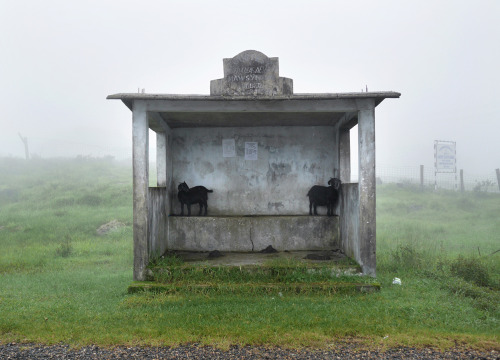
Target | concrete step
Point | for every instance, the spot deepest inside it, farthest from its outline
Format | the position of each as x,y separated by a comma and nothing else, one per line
254,273
298,272
274,289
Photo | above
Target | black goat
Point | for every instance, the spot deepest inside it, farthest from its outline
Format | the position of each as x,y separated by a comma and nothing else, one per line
194,195
324,196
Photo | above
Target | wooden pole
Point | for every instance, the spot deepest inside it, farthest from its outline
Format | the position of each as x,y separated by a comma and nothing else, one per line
462,187
421,176
498,178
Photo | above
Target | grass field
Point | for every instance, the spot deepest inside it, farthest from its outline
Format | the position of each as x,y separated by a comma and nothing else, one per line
61,282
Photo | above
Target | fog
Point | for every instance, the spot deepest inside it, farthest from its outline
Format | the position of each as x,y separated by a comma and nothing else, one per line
60,59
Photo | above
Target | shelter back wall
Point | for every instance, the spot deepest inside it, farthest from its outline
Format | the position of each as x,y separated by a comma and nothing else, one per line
290,160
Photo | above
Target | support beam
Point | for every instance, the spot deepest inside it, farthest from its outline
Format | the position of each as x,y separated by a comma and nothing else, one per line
140,160
367,182
349,120
156,122
222,105
161,159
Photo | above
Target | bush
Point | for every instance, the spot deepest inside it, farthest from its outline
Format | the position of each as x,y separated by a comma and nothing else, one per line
483,298
407,257
471,270
65,248
483,186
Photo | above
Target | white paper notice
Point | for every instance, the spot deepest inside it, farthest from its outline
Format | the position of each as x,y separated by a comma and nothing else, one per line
228,148
251,151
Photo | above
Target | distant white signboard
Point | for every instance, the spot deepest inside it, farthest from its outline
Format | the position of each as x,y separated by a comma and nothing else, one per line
445,156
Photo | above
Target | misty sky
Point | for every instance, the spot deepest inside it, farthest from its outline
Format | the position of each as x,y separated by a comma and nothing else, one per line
60,59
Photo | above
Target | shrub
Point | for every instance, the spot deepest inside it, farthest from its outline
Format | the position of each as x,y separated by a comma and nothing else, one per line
471,270
483,298
65,248
483,186
406,256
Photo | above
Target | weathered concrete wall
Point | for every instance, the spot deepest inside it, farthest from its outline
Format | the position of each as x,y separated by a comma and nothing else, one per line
253,233
157,221
349,222
289,161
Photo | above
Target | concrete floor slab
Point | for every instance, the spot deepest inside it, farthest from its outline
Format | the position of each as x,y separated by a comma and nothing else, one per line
330,257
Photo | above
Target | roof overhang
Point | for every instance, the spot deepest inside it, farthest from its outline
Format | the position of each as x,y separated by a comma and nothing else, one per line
222,111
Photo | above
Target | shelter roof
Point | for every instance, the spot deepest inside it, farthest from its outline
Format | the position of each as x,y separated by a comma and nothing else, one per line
320,109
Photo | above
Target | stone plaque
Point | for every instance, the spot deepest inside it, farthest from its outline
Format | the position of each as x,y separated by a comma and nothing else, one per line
251,73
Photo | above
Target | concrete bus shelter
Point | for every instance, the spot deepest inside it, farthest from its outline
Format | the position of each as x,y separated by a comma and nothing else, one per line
259,147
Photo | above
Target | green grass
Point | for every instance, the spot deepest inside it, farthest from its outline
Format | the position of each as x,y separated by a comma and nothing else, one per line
282,276
444,222
61,282
171,269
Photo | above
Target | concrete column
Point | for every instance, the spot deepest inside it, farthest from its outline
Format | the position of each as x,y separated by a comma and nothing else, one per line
140,160
161,159
336,151
367,181
345,155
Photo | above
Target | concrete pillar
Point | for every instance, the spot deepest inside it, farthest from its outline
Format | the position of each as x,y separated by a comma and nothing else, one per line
140,160
345,155
367,182
161,159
